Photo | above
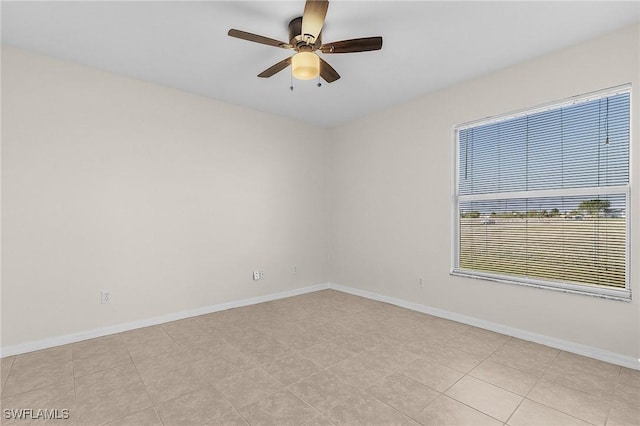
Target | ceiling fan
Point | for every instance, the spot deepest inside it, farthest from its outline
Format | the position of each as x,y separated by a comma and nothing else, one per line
305,37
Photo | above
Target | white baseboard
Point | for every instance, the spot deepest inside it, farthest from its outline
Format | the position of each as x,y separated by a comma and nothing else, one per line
600,354
576,348
119,328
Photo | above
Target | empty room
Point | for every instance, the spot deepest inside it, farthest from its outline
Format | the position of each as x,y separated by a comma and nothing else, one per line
320,213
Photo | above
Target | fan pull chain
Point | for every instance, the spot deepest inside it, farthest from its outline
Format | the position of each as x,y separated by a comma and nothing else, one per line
319,84
291,76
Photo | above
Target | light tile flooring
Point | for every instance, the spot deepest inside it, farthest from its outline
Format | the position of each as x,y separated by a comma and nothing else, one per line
318,359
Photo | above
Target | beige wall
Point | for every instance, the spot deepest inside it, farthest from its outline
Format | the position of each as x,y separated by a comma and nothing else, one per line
390,196
167,199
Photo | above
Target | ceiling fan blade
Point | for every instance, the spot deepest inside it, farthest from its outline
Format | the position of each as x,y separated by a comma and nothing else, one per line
354,45
327,72
313,17
258,39
274,69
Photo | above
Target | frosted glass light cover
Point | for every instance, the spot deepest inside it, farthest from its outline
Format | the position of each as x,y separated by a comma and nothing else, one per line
305,65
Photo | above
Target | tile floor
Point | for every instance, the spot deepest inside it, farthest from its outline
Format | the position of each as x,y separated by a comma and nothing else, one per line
318,359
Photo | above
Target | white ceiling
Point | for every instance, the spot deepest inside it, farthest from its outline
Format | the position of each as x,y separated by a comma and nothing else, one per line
427,45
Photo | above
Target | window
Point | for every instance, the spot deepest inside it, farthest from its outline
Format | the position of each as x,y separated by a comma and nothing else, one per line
542,196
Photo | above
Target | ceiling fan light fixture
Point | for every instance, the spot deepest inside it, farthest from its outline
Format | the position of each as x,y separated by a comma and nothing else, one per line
305,37
305,65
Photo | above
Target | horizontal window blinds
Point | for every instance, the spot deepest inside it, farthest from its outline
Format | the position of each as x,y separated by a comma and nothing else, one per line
577,146
542,197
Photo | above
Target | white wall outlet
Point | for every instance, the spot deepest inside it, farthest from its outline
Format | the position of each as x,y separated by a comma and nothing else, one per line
256,275
294,269
105,296
262,275
420,282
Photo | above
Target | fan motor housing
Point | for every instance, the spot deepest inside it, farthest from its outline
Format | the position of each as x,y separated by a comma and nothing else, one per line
296,38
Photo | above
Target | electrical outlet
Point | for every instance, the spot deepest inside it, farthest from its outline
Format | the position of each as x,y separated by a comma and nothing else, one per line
262,275
105,296
294,270
420,282
256,275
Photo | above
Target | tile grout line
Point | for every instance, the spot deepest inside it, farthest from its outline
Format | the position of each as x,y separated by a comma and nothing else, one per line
364,390
8,374
396,371
492,384
213,385
233,408
285,387
613,394
536,383
144,386
444,393
73,378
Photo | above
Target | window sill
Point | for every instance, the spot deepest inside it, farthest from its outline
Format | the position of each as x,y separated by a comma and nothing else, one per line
623,295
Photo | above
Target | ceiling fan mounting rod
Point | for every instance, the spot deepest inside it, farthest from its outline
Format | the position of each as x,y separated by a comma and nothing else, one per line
297,39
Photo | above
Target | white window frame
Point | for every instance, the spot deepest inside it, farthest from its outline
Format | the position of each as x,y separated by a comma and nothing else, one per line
608,292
